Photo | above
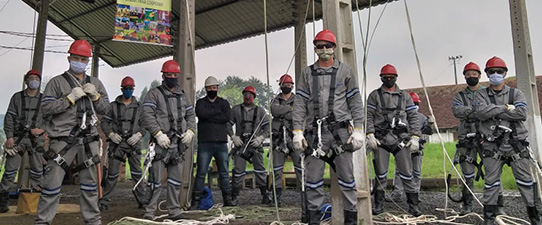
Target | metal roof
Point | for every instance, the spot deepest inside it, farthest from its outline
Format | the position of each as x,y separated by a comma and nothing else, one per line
217,22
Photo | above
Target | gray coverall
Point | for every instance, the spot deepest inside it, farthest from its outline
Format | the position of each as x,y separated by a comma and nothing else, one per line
347,107
154,118
239,164
281,110
17,125
498,144
379,118
416,162
64,120
123,120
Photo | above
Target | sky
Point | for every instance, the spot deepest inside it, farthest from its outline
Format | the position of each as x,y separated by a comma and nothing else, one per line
477,30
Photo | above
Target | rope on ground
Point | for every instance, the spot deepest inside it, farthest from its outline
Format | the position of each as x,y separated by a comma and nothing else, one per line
222,219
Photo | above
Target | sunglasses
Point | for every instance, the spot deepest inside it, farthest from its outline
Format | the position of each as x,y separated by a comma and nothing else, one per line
328,46
492,71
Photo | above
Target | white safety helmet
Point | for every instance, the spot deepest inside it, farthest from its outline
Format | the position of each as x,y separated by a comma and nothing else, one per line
210,81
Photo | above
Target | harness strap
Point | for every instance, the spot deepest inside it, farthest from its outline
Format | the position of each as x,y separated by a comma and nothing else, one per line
252,122
120,119
82,108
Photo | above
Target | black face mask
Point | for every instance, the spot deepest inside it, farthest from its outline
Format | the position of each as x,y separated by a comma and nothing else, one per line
286,90
171,82
212,94
388,82
472,81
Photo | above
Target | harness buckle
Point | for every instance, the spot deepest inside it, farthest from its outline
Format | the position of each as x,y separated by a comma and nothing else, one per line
89,162
80,141
59,160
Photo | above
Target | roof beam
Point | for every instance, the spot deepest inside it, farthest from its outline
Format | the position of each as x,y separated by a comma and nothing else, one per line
88,12
217,7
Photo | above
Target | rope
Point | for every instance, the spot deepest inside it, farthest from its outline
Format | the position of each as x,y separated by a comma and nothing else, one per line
221,219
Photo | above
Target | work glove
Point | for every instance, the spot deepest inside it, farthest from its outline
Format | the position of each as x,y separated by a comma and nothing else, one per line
11,151
187,137
90,89
9,143
256,141
510,107
75,95
414,143
237,142
300,143
372,142
356,138
134,138
115,138
162,140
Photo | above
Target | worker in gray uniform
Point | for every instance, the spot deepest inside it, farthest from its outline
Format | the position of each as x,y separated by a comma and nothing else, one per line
327,104
502,111
23,125
169,117
416,156
282,127
73,100
121,125
251,128
393,126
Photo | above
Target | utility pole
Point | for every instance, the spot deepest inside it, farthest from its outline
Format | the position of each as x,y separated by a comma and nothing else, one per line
455,59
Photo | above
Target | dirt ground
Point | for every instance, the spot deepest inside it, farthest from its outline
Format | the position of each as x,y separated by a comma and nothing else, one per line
250,211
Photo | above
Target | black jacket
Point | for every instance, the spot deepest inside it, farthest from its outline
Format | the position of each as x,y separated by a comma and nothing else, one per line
213,119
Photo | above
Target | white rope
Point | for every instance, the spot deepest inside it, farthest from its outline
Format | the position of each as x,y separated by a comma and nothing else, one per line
222,219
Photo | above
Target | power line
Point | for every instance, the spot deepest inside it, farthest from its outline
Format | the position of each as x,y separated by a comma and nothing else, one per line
17,45
30,49
4,6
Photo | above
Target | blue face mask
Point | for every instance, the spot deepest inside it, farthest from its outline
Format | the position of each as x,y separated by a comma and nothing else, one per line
77,67
496,79
127,93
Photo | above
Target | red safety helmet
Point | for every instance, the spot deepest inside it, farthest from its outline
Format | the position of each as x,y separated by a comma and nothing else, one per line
127,82
388,69
325,35
250,89
415,97
32,72
495,62
285,79
80,47
171,66
471,66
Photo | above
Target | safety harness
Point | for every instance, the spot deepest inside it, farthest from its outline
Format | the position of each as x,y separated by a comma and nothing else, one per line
283,138
245,137
119,120
174,132
79,135
24,130
396,126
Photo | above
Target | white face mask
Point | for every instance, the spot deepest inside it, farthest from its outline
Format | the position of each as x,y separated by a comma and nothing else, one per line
496,79
325,54
77,67
34,84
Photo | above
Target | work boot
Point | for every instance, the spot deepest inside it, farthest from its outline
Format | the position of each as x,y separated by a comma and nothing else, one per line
379,202
413,204
467,202
196,197
266,198
226,197
489,214
314,217
533,215
279,193
350,217
176,217
4,202
500,206
395,196
234,195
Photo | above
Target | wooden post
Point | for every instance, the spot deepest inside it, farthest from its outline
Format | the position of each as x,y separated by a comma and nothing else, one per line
300,38
95,70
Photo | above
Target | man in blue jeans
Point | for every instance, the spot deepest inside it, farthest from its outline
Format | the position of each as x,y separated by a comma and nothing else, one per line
213,115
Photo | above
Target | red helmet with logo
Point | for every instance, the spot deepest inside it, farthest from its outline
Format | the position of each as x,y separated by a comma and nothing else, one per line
250,89
388,69
471,66
495,62
127,82
325,35
81,47
32,72
171,66
415,97
285,79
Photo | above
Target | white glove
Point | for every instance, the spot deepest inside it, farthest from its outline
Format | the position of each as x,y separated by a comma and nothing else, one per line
11,151
162,140
414,143
510,107
134,138
299,141
115,138
75,95
237,142
356,139
256,141
90,89
187,137
372,142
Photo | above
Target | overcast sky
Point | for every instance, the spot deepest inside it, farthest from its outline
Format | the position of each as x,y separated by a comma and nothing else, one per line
475,29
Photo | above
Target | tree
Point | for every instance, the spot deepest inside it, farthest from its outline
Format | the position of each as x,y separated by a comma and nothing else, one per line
154,83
